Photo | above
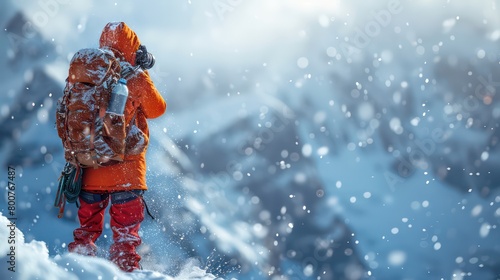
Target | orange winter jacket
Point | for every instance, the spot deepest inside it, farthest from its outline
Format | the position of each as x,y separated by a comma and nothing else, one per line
144,102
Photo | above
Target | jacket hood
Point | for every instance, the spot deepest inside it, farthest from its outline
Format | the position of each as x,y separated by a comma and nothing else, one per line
118,37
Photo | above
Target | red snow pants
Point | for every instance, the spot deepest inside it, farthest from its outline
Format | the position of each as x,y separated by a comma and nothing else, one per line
126,212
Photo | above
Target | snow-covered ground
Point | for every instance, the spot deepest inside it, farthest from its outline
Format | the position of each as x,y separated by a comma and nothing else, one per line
32,261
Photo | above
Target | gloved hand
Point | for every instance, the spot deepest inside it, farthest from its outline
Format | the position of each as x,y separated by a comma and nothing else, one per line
144,59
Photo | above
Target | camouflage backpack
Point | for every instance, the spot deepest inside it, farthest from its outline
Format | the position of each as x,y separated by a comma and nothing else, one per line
91,136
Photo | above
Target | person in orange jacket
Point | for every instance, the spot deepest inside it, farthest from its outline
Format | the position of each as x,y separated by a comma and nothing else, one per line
125,182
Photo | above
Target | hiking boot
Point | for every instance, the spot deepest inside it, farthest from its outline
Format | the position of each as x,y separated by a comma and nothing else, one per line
85,249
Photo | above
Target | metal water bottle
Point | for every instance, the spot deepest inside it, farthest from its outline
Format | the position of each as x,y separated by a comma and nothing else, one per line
119,96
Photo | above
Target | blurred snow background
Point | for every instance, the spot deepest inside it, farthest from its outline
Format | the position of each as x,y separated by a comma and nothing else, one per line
302,139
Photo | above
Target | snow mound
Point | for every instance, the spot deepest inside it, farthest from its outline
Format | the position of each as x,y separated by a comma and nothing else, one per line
31,260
